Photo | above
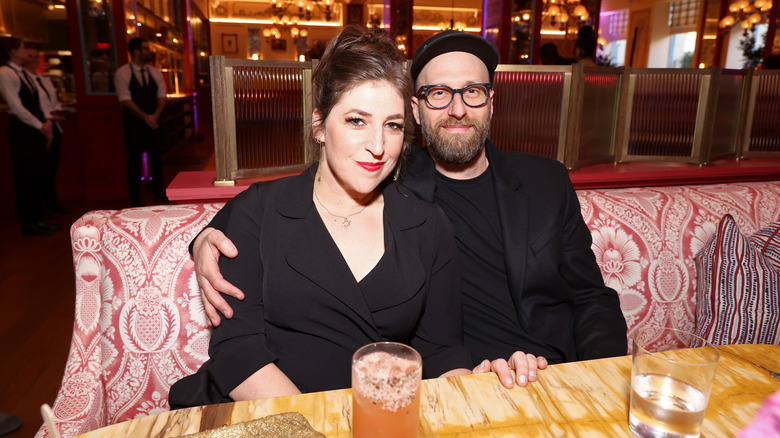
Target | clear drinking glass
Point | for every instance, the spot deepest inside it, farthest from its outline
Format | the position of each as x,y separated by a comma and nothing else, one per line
386,390
670,386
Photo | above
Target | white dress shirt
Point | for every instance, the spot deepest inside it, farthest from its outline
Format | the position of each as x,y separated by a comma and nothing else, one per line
122,80
48,96
10,84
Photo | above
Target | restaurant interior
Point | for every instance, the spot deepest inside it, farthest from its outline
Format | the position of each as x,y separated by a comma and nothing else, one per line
680,95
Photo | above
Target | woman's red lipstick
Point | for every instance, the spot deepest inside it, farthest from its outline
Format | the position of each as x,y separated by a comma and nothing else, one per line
371,167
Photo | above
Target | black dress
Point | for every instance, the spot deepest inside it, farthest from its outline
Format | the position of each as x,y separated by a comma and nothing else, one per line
303,309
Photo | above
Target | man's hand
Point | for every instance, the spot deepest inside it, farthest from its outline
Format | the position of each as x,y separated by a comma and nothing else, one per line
151,121
205,253
524,364
48,131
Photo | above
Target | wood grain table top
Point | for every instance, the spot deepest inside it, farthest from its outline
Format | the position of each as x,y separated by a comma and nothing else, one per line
587,398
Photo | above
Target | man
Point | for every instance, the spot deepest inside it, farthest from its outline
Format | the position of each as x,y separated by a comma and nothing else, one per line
52,108
585,47
29,135
140,88
531,284
548,54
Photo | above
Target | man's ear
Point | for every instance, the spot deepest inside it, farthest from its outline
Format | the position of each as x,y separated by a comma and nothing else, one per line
492,93
416,109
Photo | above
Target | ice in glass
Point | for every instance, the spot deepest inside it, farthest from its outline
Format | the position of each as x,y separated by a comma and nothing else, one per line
386,391
670,387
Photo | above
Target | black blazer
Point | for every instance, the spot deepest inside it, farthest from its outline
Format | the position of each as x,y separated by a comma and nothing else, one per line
303,309
556,285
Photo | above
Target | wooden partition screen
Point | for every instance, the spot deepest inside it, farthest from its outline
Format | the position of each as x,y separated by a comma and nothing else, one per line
728,107
667,115
574,114
761,135
530,109
261,113
593,115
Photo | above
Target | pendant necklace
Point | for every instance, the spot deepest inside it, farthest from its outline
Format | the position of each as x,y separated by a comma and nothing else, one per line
346,222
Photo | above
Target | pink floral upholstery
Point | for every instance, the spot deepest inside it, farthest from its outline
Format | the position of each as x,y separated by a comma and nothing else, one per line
645,240
139,323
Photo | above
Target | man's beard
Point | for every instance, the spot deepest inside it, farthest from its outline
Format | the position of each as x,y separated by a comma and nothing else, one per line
455,149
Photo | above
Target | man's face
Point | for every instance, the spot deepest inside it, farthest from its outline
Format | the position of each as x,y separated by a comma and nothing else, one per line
146,55
456,134
33,58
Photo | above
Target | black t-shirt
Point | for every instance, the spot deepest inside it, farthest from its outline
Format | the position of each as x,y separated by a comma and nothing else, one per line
491,328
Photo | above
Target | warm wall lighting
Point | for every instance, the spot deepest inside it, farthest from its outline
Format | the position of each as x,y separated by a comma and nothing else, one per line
748,14
559,12
268,21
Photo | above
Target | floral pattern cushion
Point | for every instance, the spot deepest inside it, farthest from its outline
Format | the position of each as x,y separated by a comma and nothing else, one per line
738,287
139,323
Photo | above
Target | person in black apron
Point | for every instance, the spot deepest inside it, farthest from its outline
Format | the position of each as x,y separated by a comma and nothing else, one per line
141,120
29,135
53,111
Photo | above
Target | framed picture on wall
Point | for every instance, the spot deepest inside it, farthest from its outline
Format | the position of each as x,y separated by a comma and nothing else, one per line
278,44
229,43
355,13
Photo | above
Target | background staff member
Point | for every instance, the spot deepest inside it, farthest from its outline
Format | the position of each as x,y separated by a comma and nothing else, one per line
140,88
29,134
53,110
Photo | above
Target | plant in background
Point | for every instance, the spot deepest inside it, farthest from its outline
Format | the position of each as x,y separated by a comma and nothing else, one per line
751,54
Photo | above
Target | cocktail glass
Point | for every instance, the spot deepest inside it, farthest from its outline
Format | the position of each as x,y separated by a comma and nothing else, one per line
386,390
670,386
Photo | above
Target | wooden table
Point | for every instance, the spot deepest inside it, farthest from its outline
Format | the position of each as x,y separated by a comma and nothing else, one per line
588,398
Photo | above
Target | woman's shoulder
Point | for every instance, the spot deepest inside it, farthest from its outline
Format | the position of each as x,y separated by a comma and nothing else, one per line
265,192
410,209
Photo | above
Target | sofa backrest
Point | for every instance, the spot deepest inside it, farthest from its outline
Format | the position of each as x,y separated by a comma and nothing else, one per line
645,240
139,323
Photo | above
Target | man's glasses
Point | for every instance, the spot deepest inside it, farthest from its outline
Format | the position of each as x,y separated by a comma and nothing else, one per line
440,96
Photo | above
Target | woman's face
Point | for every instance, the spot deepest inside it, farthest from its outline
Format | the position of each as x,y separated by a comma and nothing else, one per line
362,137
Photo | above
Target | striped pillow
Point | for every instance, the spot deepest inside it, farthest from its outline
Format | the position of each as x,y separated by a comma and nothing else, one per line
737,286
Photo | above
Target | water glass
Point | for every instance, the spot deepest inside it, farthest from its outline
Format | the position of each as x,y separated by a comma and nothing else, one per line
386,390
670,386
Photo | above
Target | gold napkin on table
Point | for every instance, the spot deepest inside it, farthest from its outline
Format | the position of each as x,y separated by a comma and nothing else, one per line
289,424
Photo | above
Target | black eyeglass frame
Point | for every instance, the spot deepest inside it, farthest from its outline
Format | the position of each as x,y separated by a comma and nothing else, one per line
425,88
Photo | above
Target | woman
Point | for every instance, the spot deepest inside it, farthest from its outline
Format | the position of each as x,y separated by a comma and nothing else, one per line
339,256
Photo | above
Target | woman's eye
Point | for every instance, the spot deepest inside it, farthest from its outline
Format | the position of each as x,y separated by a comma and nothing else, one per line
395,126
356,122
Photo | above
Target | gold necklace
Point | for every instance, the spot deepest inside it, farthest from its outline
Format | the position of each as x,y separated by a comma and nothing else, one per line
346,222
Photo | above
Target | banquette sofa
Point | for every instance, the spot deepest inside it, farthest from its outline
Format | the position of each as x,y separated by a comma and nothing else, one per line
139,322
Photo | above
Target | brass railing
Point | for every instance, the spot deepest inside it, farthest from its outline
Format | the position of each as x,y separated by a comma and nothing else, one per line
574,114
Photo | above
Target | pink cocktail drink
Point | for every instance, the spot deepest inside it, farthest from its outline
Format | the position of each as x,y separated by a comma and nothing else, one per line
386,391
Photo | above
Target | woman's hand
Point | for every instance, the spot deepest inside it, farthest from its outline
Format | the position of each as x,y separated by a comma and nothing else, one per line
524,364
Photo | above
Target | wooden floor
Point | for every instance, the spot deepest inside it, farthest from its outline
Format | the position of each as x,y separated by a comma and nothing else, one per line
37,301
